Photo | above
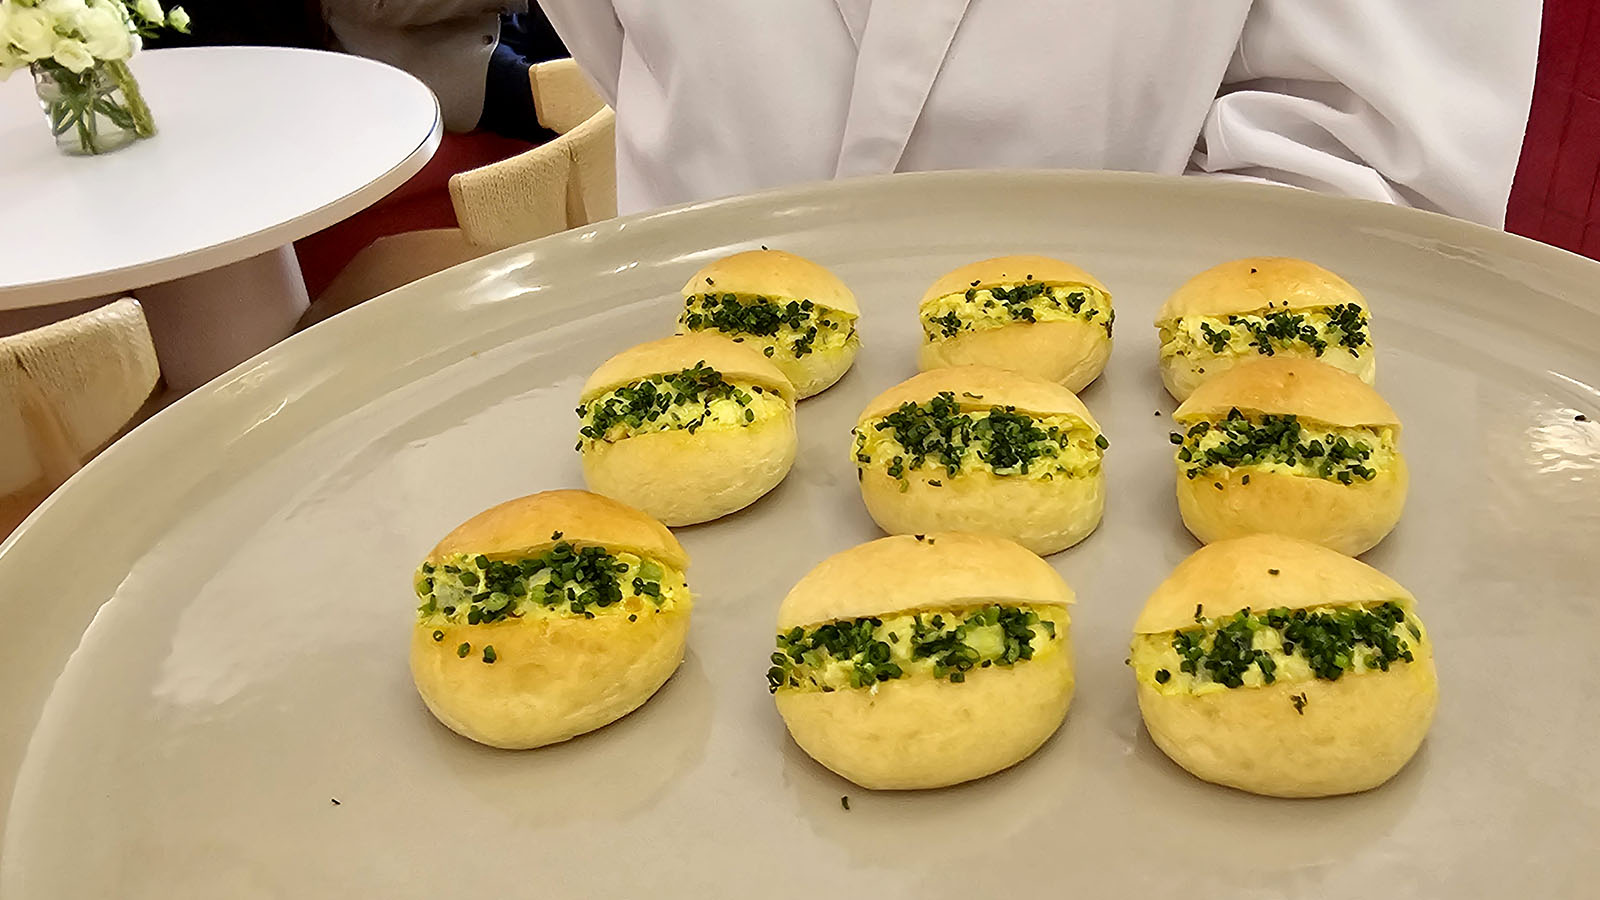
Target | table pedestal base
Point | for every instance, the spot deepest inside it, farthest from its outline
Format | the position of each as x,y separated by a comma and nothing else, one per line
206,324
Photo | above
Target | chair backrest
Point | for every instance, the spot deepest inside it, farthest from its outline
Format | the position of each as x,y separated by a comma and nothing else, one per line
562,95
568,182
67,389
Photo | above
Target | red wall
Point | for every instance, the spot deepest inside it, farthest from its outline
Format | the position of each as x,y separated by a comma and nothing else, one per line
1554,198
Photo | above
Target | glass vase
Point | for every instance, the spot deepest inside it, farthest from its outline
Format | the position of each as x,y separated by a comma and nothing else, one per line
94,111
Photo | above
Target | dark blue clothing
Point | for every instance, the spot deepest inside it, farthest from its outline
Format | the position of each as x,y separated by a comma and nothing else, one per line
508,109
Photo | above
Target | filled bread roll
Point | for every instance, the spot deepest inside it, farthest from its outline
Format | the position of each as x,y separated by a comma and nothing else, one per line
923,661
793,311
1283,668
1257,308
983,450
688,428
1032,314
1290,446
546,617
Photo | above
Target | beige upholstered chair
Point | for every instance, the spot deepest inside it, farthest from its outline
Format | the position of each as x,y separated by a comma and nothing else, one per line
567,182
387,263
66,390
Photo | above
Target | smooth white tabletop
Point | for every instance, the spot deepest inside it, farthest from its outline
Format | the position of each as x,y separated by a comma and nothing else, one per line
258,147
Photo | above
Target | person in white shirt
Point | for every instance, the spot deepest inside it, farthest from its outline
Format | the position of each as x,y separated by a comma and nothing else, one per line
1415,102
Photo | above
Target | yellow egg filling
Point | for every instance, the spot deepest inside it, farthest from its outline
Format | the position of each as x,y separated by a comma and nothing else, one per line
1252,649
942,441
946,643
780,326
1285,444
995,306
561,581
1303,332
696,398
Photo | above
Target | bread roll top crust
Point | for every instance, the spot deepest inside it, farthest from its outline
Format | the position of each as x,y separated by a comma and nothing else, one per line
776,274
1259,283
527,526
1287,386
979,388
1259,572
921,572
736,362
1010,270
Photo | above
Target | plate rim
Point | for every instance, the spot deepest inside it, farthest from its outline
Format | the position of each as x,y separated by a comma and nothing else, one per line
273,378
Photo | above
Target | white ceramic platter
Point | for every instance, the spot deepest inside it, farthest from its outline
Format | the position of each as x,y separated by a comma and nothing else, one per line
205,631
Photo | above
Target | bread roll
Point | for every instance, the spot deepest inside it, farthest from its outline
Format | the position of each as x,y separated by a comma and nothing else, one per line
548,616
688,428
1283,668
1262,307
984,450
1291,446
795,312
923,661
1031,314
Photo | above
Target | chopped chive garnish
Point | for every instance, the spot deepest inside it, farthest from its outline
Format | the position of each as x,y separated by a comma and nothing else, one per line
1331,643
861,652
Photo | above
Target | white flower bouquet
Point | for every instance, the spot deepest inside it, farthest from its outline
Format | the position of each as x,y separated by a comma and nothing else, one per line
78,51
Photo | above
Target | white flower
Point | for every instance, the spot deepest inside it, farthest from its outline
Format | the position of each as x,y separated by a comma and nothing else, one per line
64,11
105,34
72,53
178,19
9,62
150,11
31,31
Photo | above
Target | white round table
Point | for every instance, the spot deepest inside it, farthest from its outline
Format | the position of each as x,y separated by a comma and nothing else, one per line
257,147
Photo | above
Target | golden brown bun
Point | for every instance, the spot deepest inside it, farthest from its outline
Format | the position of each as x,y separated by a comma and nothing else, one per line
682,478
1071,353
1350,735
915,733
553,679
523,527
979,388
774,273
1350,518
736,362
920,731
818,370
1009,270
1044,516
1281,386
1258,284
1183,374
1225,577
943,570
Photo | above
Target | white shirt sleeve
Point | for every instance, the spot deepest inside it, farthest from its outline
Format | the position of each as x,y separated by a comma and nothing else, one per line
593,35
1416,102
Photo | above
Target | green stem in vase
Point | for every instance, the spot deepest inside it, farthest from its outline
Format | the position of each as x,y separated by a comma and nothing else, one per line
85,139
144,124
